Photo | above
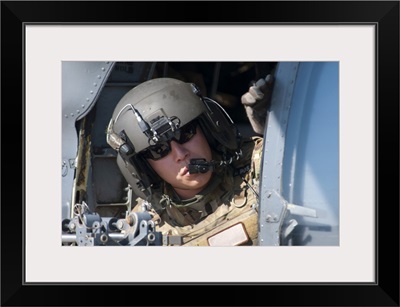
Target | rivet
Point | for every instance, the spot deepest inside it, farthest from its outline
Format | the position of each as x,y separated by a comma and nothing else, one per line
77,111
72,114
95,84
91,92
66,116
83,106
99,77
103,69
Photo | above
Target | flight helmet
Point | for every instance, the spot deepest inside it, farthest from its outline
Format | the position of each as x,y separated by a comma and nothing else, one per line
155,111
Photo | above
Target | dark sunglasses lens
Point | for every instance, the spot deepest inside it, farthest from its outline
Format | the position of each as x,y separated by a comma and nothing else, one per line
160,150
187,132
157,151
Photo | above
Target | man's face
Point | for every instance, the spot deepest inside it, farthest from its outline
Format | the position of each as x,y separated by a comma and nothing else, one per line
173,167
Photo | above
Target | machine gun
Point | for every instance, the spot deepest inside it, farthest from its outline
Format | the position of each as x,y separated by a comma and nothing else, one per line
89,229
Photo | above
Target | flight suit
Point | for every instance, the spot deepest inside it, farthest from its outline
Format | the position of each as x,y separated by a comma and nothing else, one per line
223,214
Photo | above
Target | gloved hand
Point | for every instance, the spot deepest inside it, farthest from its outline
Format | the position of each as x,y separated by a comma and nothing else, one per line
257,102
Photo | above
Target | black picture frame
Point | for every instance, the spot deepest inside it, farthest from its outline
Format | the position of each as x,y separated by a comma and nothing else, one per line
383,14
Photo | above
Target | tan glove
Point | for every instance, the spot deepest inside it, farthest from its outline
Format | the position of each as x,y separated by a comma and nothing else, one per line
257,102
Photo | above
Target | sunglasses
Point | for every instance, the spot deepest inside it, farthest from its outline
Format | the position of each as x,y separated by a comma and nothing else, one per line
163,148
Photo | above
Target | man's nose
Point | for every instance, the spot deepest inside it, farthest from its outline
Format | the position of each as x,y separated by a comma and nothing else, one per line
179,151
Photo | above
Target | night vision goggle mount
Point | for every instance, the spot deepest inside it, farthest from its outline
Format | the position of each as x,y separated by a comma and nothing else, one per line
159,129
